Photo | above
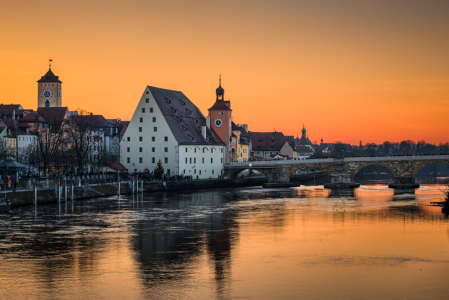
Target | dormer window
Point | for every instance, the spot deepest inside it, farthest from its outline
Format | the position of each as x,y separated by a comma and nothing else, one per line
195,120
190,137
207,138
179,119
168,100
172,109
185,128
189,111
182,102
260,139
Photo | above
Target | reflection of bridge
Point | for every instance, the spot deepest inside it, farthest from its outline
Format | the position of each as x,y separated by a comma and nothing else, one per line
342,170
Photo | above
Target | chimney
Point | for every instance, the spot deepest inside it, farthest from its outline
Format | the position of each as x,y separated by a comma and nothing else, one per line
208,122
203,130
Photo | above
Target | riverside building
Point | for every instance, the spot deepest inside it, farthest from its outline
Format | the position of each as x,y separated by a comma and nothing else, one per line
166,125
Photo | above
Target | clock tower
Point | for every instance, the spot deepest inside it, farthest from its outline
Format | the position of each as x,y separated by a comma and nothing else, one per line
49,90
220,120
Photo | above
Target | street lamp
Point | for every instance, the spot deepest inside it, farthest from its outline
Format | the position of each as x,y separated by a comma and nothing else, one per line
250,165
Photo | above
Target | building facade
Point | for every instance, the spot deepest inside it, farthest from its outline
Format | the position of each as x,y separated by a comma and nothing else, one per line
167,126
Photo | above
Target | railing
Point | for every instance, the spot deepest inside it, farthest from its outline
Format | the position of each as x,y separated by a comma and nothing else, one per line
332,160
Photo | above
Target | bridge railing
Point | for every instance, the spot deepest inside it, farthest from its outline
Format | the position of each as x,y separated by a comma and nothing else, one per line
273,163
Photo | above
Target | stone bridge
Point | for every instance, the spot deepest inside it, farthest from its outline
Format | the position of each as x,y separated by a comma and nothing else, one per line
403,168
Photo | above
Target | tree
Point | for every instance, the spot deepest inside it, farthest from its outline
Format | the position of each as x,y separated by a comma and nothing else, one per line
159,171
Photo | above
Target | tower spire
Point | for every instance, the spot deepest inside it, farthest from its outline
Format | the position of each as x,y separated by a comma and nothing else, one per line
49,63
219,81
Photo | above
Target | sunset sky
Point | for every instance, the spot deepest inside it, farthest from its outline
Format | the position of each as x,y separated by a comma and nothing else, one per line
349,70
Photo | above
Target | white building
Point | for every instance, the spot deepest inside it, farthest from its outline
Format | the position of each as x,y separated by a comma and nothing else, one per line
166,125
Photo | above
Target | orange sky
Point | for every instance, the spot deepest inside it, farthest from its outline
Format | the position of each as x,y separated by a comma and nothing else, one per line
349,70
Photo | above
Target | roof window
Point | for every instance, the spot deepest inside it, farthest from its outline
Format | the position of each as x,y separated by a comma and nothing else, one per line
179,119
189,111
172,109
182,102
195,120
190,137
168,100
185,128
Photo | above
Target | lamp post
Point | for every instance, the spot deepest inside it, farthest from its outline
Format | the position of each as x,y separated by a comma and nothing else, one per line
250,165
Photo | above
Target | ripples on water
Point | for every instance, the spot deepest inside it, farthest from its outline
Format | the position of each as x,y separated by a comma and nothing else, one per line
253,243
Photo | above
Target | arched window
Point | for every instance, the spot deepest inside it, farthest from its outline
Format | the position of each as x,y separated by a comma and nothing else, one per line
47,103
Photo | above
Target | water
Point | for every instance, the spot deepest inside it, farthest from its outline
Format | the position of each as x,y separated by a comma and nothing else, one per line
250,243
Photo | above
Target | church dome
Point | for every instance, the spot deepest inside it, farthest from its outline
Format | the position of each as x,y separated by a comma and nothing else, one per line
219,90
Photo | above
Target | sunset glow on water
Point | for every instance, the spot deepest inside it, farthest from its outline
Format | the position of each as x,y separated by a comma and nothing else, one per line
250,243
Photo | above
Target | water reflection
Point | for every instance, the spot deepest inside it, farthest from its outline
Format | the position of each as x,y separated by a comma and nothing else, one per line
229,243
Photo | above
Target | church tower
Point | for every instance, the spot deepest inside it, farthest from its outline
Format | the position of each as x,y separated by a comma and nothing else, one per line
49,90
220,119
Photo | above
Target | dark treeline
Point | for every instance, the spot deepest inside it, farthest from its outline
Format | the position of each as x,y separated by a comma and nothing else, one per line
408,147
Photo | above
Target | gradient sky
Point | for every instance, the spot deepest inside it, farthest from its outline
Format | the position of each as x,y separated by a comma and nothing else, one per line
349,70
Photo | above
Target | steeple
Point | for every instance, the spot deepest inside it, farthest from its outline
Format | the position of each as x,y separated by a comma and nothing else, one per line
220,91
49,89
303,131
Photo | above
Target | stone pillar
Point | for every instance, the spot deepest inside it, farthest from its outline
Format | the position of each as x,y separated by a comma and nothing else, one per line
341,181
403,182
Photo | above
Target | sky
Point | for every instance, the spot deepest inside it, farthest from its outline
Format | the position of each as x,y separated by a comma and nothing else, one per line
349,70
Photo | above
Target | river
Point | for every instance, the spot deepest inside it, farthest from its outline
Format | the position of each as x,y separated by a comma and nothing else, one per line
249,243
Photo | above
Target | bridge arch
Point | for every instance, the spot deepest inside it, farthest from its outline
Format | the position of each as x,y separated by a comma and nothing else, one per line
357,173
355,170
421,166
320,167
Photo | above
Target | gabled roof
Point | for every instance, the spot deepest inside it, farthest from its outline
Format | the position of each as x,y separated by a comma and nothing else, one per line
49,77
220,105
96,121
33,117
267,141
53,114
10,107
183,117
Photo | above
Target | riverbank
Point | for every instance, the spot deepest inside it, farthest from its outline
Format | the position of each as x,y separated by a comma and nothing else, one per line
49,195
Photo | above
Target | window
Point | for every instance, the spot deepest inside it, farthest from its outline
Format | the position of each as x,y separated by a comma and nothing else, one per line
166,160
222,160
168,100
151,109
212,171
140,139
185,128
155,129
189,111
203,160
165,138
166,149
211,160
220,113
140,149
194,150
190,160
194,171
140,160
143,109
172,109
153,160
128,160
140,129
147,92
182,102
186,159
153,139
186,149
141,120
154,119
128,139
128,149
147,100
212,150
203,149
194,160
153,149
